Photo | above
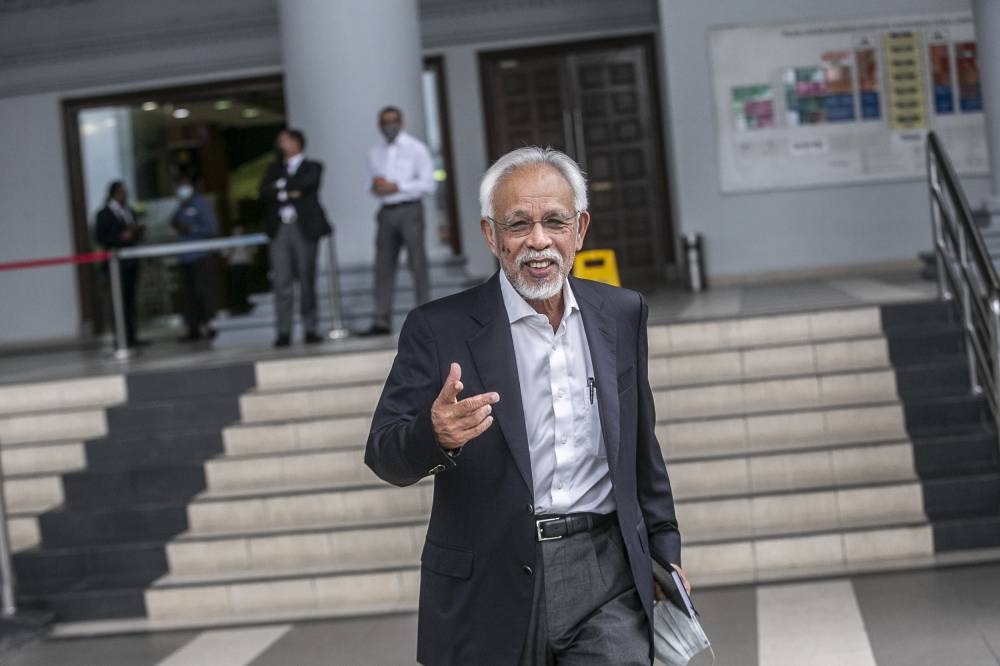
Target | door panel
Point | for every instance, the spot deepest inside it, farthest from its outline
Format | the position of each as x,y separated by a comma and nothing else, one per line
595,102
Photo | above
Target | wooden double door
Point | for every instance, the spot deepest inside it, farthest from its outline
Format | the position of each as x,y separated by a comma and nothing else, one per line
597,102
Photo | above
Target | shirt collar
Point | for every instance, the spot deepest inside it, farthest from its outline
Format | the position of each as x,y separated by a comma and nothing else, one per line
400,139
295,161
518,308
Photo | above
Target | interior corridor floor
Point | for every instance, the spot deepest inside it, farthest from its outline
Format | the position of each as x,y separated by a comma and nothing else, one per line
919,618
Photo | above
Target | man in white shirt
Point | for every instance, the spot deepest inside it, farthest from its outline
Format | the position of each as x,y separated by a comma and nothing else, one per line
402,173
544,529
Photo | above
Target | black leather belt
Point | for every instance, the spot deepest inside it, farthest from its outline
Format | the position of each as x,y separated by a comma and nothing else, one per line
401,203
549,528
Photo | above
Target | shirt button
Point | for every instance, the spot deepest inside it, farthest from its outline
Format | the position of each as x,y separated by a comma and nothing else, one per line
530,509
527,570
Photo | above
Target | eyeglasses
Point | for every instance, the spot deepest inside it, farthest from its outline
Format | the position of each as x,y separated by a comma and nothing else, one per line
553,224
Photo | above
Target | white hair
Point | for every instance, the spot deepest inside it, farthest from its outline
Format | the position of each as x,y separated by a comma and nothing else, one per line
529,156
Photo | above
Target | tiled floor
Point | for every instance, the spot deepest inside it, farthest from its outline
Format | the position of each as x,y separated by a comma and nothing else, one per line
923,618
24,363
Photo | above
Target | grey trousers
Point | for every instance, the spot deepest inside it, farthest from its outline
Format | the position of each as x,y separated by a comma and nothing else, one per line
398,227
293,257
585,608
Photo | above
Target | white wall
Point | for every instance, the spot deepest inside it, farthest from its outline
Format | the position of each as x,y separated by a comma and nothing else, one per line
39,303
791,230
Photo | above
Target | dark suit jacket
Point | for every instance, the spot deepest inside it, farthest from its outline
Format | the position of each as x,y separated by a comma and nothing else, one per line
475,594
311,217
108,229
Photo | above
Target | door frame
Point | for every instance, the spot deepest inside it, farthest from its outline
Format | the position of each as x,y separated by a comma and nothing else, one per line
436,64
648,43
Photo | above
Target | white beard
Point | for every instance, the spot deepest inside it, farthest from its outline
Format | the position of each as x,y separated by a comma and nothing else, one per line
533,290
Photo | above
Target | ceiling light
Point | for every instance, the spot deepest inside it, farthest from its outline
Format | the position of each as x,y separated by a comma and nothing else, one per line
223,105
150,106
181,113
251,113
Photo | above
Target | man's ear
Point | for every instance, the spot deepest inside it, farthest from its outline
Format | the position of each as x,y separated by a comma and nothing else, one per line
490,236
582,225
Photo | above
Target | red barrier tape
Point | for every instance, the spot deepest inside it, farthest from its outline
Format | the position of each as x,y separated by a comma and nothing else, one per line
56,261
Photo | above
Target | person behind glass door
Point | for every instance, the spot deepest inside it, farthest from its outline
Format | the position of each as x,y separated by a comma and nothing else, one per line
117,226
194,220
295,222
401,174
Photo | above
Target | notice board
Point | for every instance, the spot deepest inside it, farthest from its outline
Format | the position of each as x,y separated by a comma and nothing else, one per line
842,102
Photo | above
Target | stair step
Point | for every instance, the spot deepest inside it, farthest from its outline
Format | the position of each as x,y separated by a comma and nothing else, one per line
314,548
309,508
48,457
32,494
189,383
68,528
65,394
75,425
199,411
262,438
287,469
173,484
159,447
802,470
333,592
89,561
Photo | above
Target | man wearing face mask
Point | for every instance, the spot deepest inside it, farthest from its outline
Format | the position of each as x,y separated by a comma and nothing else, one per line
295,222
402,173
194,219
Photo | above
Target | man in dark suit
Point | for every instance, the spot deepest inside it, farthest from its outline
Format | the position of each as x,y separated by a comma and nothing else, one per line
295,222
543,523
117,225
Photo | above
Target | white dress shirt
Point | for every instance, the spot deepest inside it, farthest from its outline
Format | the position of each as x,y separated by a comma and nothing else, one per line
569,464
287,212
121,212
405,162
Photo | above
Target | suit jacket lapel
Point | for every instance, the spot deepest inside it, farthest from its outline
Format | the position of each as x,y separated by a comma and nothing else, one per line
492,349
602,338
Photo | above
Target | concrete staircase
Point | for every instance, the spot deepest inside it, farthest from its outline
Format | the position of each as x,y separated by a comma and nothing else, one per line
43,427
799,445
786,439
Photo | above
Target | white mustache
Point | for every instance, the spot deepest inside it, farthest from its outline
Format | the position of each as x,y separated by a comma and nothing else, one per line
539,255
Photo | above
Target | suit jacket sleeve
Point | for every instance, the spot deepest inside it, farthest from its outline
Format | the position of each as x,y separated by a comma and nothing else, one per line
402,448
306,179
107,229
266,189
655,497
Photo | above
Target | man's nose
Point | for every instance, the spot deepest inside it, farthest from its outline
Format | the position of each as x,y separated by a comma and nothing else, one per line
538,238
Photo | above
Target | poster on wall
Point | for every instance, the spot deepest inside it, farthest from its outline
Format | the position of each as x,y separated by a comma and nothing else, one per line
844,102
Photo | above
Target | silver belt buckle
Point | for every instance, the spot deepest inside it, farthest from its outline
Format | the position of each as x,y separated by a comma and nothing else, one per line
538,529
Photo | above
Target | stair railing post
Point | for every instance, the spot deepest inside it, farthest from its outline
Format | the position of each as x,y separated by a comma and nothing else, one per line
936,228
8,605
118,307
965,297
339,331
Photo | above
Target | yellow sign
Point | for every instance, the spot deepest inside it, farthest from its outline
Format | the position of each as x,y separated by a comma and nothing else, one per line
904,76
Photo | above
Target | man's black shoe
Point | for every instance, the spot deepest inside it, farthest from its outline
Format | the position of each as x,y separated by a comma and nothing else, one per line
312,339
375,330
282,341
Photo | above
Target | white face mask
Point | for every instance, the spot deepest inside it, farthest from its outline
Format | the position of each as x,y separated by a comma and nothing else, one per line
184,192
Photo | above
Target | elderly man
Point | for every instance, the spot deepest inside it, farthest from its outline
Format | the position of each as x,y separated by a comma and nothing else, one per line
528,398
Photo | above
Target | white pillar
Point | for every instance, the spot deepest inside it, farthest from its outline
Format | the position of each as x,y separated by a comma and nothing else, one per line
343,61
987,22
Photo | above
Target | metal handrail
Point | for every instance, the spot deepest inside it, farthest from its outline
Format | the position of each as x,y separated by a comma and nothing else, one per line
966,273
122,351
